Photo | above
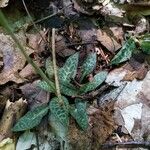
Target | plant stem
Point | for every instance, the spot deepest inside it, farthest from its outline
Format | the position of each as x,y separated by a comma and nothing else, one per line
5,24
55,68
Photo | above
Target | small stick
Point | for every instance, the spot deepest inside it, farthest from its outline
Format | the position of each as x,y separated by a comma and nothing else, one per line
127,145
24,4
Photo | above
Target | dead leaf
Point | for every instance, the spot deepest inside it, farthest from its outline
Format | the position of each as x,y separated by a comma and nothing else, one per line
28,71
36,42
61,47
7,144
12,112
12,58
129,114
108,41
102,123
34,95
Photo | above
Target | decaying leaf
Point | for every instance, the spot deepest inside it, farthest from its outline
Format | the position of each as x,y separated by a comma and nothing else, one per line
107,40
12,58
28,140
12,112
7,144
102,123
129,114
34,95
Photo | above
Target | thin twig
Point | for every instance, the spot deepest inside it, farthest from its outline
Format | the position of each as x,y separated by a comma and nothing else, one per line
127,145
5,24
24,4
54,14
55,67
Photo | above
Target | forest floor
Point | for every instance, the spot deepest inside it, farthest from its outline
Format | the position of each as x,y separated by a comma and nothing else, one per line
97,55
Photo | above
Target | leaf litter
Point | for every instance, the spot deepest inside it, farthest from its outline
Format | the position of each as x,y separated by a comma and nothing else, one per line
86,26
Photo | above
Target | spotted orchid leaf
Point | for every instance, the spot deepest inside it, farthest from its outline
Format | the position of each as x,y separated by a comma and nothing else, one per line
98,79
69,70
88,65
31,118
125,53
60,112
45,86
79,113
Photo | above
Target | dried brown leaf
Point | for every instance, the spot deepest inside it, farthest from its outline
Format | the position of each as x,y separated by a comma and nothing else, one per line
108,41
12,112
12,58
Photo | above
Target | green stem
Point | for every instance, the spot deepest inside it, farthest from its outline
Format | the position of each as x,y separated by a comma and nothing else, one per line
55,68
5,24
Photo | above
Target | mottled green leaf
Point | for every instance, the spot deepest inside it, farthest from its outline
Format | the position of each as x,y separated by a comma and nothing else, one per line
80,105
59,111
59,129
98,79
44,86
31,118
68,71
68,89
88,65
125,53
145,45
79,113
49,68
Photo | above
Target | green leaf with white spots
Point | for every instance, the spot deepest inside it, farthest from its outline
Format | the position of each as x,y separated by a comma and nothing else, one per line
98,79
60,112
69,70
45,86
79,113
31,118
88,65
68,90
80,105
125,53
57,127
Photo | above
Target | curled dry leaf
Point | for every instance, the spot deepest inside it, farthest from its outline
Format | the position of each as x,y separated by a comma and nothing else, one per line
12,58
12,112
108,41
